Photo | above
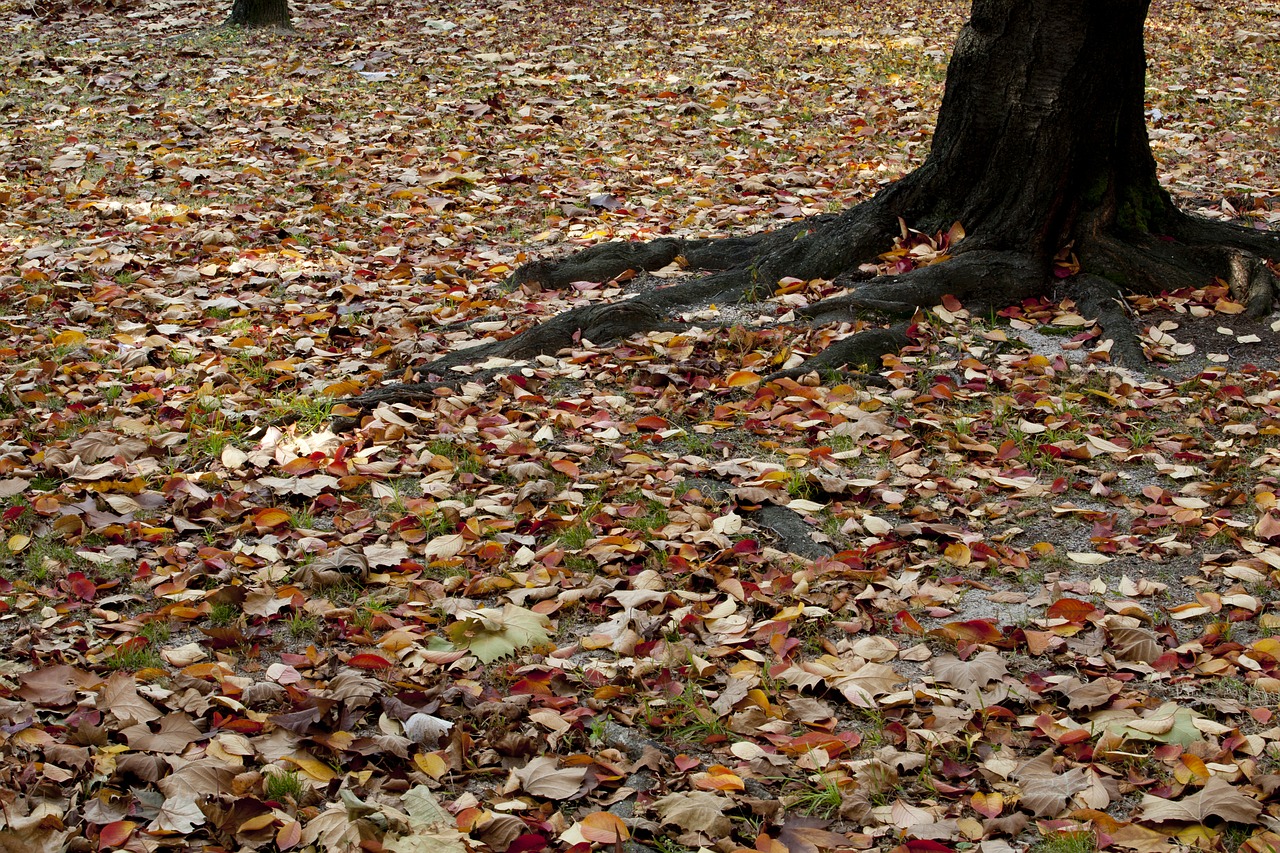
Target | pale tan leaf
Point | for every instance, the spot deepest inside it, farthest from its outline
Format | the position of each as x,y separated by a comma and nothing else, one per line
541,778
978,671
1217,799
120,697
1045,792
696,811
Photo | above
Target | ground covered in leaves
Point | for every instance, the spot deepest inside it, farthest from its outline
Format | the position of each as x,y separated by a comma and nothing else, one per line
622,597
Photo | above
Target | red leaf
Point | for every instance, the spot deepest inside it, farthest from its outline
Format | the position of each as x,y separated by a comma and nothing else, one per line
528,843
652,423
369,661
1071,609
115,834
926,845
81,587
1008,450
974,631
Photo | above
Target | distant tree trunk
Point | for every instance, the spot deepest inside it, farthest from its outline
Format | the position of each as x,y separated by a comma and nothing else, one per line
260,13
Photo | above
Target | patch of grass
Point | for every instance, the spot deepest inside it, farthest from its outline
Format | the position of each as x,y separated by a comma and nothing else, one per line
1074,841
156,632
303,625
284,785
134,659
687,717
823,800
301,519
464,460
667,845
222,614
44,558
307,413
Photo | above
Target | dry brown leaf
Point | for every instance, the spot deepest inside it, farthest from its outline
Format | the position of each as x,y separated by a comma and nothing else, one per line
696,811
1217,799
1045,792
542,777
977,672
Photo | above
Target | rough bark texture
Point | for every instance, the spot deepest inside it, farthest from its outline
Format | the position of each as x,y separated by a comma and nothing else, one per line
260,13
1040,150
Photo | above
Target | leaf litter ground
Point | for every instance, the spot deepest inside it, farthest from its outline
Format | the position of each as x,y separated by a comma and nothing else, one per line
1002,597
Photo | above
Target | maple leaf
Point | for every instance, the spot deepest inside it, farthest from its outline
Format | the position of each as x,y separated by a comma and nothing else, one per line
489,633
1217,799
179,815
432,828
809,835
120,696
695,811
1044,791
977,672
1086,695
175,734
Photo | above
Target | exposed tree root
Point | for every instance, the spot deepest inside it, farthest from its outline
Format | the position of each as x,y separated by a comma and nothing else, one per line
1252,284
862,351
1103,300
834,247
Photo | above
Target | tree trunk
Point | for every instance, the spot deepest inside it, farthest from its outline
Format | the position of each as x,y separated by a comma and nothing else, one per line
1041,137
260,13
1040,152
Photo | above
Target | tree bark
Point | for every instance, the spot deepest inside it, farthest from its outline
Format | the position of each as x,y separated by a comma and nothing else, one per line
260,13
1041,138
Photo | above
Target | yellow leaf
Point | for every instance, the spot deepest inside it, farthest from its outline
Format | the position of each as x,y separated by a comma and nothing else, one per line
313,767
957,553
69,338
788,614
18,541
432,764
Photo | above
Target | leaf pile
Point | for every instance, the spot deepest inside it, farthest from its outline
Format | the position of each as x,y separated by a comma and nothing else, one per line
623,595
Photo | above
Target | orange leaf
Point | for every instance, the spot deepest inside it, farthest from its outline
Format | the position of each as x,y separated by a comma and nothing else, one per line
974,631
742,378
301,465
905,623
566,467
604,828
270,517
718,778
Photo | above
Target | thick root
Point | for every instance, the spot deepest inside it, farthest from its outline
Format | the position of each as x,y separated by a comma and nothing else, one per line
1208,233
862,351
1252,284
978,278
1103,300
